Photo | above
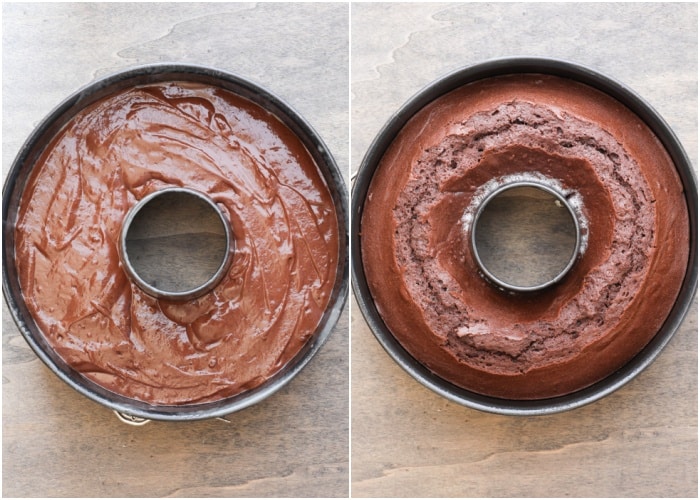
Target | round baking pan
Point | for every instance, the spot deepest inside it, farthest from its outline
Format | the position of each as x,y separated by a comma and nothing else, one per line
31,151
452,81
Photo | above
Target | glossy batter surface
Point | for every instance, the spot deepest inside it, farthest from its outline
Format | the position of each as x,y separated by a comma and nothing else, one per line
282,216
416,229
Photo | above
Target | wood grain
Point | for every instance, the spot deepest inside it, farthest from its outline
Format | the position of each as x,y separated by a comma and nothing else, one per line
408,441
55,441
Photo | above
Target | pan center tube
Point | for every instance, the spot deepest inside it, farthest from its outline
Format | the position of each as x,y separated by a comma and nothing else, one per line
525,236
176,244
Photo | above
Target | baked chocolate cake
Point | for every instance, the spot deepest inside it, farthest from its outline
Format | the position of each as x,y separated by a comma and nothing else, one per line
420,267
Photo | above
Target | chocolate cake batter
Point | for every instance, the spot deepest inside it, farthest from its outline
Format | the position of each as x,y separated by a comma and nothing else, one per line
282,216
416,229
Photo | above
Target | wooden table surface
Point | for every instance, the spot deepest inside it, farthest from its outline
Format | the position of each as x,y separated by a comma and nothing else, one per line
58,443
408,441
